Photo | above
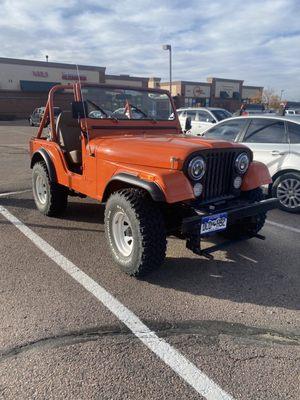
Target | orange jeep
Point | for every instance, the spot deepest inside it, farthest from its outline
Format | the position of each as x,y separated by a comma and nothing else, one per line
124,147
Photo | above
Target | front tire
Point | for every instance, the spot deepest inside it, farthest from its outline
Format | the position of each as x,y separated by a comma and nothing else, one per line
287,189
51,199
250,226
135,231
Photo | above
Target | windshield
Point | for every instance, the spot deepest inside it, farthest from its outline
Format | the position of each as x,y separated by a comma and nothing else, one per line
126,104
221,114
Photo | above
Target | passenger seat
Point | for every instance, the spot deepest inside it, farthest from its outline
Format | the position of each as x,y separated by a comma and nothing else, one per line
69,133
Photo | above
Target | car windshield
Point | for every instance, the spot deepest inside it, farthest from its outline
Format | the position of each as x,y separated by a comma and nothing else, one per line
221,114
119,104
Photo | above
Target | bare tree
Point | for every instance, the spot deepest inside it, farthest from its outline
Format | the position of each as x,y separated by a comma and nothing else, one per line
270,98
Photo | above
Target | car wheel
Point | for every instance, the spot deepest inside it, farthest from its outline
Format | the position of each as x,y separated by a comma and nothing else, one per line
50,198
287,189
248,226
135,231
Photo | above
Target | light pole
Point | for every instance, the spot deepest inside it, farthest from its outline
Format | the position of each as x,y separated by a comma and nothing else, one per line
169,47
281,91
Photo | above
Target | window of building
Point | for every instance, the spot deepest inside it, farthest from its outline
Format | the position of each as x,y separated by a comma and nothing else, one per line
265,131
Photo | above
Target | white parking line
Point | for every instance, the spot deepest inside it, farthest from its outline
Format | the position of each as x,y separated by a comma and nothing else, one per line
11,193
181,365
289,228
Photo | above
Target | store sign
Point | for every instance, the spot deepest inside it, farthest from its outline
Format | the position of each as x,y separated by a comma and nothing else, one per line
40,74
197,91
226,90
73,77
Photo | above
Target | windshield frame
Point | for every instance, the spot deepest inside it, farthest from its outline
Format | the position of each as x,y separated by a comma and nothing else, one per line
81,97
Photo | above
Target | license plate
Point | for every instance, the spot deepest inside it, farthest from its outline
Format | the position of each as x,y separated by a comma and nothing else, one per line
214,223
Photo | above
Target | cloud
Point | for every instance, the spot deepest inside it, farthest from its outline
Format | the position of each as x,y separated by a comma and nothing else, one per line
255,41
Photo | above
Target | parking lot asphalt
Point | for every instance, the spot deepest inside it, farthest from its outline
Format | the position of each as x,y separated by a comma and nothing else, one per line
236,318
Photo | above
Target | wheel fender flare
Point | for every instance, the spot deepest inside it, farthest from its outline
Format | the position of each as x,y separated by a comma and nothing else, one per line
256,176
43,155
152,188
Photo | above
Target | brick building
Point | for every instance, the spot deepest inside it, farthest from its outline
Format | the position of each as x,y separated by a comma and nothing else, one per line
216,92
24,85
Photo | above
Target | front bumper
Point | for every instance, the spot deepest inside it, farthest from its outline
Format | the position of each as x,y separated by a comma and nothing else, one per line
192,225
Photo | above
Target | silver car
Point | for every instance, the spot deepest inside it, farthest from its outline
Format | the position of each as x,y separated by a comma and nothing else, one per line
275,141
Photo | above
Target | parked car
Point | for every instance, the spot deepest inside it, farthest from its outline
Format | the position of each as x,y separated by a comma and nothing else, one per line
292,112
274,141
37,115
154,180
201,118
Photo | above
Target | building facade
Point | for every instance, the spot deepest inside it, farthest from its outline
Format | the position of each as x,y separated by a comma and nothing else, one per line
24,85
216,92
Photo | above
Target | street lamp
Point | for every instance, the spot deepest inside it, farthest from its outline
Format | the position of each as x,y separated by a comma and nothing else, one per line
169,47
281,91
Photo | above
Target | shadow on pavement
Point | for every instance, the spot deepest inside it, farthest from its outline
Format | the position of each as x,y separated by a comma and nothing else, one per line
236,279
79,211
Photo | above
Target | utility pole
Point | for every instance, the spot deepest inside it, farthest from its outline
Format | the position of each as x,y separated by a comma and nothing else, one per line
169,48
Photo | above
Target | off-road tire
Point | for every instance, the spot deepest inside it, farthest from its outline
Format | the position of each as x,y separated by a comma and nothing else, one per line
248,226
286,177
147,229
56,196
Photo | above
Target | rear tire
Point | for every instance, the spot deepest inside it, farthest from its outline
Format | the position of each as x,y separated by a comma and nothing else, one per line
51,199
135,231
249,226
287,189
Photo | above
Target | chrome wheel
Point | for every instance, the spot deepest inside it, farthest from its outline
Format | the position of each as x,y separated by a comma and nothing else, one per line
122,233
288,193
41,189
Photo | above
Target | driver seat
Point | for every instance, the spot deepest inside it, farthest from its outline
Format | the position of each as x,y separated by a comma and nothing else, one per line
69,137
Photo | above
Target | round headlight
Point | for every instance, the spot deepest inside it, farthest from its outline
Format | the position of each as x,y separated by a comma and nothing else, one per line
242,163
196,168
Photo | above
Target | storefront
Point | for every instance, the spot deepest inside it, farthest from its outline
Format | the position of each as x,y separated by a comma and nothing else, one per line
216,92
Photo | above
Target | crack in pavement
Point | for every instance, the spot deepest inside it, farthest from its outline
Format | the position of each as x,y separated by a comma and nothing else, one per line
208,331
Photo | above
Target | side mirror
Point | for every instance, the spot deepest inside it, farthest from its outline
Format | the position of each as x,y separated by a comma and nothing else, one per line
79,109
188,124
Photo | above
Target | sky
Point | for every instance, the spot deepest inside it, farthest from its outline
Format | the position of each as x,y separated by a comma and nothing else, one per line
257,41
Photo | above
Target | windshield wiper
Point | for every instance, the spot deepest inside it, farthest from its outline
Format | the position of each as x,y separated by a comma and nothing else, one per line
98,107
142,112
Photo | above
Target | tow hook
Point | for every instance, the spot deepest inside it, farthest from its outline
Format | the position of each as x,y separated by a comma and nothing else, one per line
193,243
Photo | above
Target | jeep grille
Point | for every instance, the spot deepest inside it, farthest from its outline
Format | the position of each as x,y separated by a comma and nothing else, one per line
219,174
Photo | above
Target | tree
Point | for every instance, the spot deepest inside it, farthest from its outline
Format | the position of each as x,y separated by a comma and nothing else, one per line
270,98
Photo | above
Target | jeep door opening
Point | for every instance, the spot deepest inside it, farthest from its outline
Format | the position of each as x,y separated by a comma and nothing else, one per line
124,147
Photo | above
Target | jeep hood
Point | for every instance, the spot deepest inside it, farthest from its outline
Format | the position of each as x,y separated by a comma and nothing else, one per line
153,150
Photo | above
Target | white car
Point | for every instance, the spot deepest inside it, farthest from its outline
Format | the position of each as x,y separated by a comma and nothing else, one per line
291,112
275,141
202,118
